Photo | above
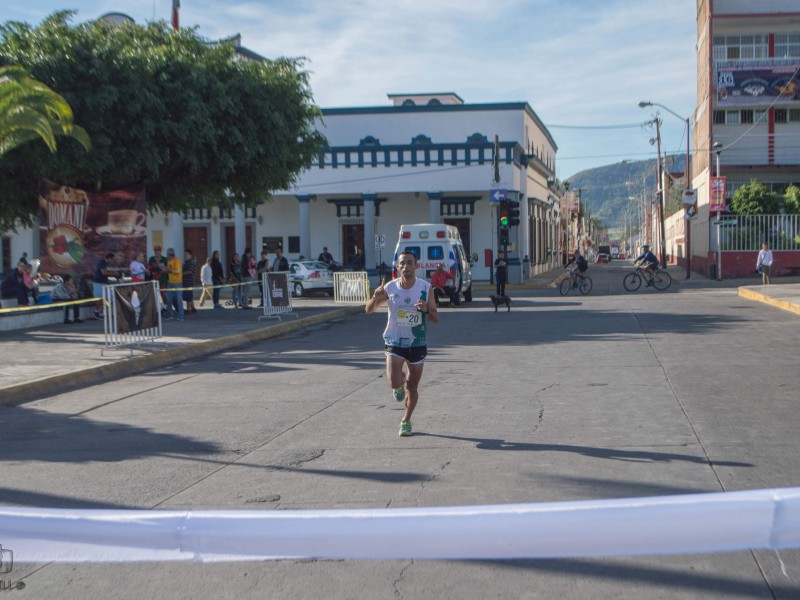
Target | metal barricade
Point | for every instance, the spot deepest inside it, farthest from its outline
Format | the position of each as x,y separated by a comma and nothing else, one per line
131,314
350,287
277,299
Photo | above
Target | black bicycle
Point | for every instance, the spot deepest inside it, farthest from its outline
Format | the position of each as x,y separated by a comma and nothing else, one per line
574,280
659,279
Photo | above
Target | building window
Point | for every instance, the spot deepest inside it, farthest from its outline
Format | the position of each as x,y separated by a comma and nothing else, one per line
794,115
780,115
294,244
761,116
747,116
787,45
268,244
719,117
732,117
740,47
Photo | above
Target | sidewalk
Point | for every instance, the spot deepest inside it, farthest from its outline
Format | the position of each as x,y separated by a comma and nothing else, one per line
47,360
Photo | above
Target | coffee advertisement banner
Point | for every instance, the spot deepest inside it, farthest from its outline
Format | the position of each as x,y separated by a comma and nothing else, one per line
77,227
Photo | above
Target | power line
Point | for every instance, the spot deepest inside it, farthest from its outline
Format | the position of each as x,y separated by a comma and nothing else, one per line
621,126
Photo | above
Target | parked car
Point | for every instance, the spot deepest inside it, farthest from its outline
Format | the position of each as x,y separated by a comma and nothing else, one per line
621,256
309,275
602,258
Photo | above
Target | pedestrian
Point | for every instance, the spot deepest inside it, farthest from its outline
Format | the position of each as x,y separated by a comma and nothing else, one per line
30,283
157,266
102,272
17,285
326,257
174,283
235,279
280,263
411,304
500,273
189,276
261,268
764,263
66,291
137,268
358,261
207,280
441,287
24,259
217,278
248,276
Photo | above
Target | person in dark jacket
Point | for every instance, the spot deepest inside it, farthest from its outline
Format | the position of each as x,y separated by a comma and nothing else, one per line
217,278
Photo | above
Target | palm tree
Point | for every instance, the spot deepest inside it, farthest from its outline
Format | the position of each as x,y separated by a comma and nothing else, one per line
30,110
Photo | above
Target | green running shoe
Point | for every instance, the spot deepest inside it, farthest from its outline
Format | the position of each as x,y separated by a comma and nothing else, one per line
405,428
400,393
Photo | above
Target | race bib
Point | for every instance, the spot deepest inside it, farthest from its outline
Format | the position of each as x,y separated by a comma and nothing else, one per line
408,318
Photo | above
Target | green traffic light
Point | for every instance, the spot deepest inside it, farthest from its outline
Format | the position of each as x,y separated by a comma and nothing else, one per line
504,221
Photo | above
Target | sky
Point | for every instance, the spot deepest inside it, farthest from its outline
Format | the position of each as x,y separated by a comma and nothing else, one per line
582,65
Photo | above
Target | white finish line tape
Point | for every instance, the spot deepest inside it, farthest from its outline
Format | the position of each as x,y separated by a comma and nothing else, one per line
720,522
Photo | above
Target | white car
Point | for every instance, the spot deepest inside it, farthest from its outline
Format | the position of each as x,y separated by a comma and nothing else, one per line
309,275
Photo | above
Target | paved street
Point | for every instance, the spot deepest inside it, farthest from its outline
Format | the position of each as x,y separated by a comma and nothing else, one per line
610,395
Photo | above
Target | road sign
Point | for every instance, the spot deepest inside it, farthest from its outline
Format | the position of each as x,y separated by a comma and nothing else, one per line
497,196
380,242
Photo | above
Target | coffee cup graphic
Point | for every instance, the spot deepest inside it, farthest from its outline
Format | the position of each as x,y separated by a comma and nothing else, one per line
125,222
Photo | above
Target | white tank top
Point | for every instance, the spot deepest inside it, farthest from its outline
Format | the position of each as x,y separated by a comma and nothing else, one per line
406,326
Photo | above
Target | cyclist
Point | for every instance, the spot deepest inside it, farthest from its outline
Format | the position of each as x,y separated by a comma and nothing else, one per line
649,262
580,264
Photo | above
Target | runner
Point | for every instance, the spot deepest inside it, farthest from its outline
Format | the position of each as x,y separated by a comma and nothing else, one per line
411,304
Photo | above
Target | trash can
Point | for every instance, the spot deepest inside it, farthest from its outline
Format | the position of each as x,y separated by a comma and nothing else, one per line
45,298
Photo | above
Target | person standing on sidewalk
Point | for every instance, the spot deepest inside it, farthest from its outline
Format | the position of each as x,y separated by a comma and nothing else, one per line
764,263
248,276
217,278
189,276
206,280
174,282
410,304
500,273
261,268
101,274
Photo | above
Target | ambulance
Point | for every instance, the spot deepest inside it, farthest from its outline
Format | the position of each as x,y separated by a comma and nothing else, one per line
433,244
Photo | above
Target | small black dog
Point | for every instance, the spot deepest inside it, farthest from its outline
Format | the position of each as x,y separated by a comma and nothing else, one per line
498,300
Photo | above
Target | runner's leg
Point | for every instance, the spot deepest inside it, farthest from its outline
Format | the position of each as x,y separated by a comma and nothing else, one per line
412,389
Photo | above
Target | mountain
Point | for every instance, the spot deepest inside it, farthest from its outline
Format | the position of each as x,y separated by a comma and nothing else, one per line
607,190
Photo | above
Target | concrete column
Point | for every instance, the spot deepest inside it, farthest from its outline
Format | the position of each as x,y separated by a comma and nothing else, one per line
304,205
435,207
240,231
176,232
369,230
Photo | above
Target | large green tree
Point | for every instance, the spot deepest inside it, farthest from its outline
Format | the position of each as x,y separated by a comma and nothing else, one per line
29,110
194,121
755,198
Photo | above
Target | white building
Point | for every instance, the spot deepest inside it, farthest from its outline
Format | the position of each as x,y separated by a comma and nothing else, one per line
421,158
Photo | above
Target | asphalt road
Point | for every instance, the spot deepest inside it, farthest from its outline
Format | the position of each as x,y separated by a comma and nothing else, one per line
609,395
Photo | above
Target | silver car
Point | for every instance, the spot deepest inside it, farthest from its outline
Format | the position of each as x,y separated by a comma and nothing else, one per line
309,275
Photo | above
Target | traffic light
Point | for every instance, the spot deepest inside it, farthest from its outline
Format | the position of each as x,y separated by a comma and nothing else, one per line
502,213
513,213
505,237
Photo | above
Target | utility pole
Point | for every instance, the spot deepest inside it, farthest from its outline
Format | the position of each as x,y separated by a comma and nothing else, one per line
660,188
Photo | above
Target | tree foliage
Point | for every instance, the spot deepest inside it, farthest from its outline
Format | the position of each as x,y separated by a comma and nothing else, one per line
791,200
755,198
30,110
198,124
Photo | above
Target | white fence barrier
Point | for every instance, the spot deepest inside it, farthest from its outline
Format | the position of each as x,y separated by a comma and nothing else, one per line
350,287
277,299
685,524
131,314
747,232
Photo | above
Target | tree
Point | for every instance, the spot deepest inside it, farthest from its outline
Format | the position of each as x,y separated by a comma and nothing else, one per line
791,200
30,110
755,199
194,122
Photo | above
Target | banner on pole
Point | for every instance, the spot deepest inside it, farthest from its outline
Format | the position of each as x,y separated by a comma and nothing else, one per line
718,193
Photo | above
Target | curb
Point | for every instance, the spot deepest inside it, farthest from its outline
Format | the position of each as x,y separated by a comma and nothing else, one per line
25,392
751,294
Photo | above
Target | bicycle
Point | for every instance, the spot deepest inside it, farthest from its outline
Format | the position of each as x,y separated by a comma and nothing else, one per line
573,280
660,279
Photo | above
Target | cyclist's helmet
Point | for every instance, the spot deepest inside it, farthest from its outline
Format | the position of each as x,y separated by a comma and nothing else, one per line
645,247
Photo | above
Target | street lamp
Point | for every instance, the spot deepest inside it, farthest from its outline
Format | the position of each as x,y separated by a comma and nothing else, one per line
717,147
643,104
